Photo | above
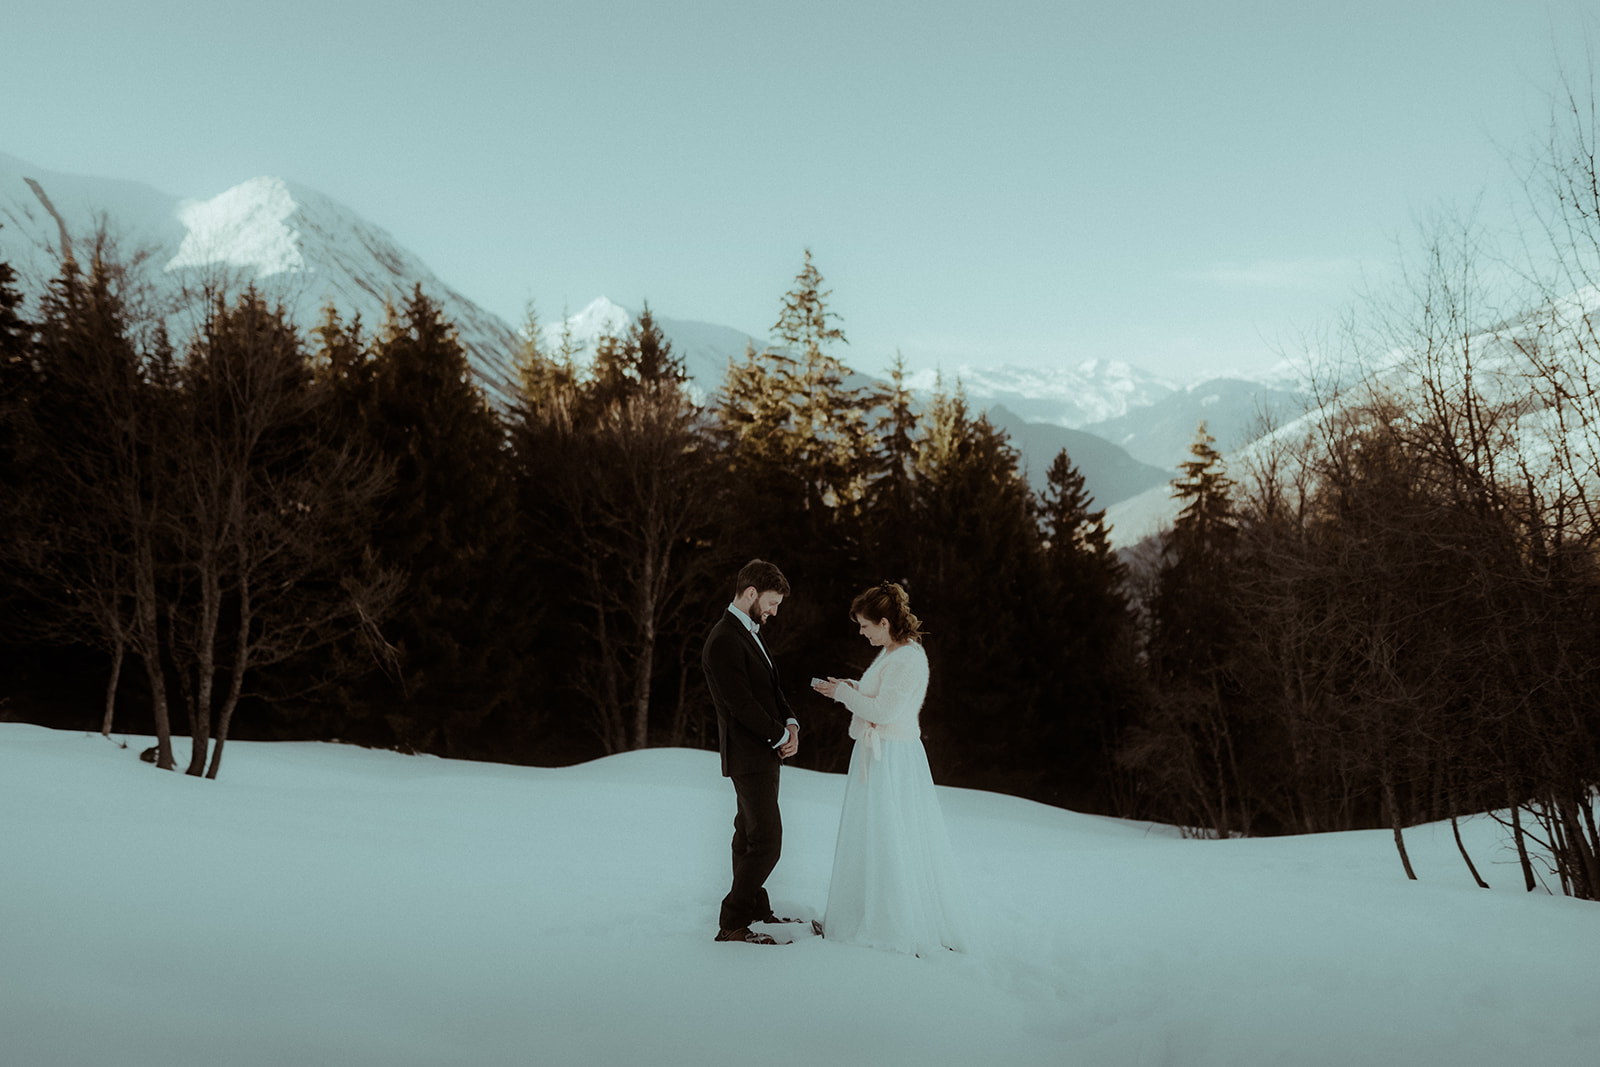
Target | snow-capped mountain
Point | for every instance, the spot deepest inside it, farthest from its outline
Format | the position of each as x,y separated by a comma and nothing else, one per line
1091,392
704,347
291,242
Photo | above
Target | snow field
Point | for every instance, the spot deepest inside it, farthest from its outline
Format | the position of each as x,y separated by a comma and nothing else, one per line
327,904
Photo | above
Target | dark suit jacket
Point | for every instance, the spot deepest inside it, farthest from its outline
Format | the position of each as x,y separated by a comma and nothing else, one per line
751,711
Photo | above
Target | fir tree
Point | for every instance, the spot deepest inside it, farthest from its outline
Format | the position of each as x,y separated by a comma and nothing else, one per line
1090,669
1191,620
95,437
1193,735
890,500
973,568
617,486
16,376
539,372
829,436
793,418
449,524
14,332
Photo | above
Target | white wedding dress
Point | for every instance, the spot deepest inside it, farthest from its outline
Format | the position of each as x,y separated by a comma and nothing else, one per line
894,882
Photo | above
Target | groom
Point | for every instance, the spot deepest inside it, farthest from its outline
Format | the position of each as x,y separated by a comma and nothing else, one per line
755,732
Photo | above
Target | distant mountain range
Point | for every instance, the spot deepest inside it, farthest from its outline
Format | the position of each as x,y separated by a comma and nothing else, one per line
1091,392
1124,428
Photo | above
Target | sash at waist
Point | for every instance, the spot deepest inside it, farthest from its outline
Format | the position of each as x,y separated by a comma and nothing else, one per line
875,734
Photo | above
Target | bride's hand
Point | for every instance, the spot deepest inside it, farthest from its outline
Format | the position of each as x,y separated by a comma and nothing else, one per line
825,686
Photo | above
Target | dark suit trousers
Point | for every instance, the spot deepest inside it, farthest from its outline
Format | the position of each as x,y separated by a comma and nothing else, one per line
757,843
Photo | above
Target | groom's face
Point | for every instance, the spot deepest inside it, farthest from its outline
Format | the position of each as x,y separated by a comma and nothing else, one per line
766,605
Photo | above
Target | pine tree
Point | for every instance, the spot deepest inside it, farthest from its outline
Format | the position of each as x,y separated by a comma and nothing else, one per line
449,524
793,419
16,375
829,436
891,494
799,453
973,568
1193,735
14,332
342,360
539,372
1191,618
1089,665
639,363
95,436
1206,522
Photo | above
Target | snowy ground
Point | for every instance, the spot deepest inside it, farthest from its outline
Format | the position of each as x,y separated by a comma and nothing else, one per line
322,904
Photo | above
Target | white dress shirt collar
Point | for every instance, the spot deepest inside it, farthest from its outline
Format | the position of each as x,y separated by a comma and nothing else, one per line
749,623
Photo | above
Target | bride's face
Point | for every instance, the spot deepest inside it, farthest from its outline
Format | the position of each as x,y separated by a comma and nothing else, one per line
876,633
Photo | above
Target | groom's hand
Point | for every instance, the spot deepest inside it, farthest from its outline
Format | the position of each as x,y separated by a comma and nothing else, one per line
791,746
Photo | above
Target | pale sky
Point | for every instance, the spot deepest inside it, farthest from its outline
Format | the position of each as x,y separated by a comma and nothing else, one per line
1186,186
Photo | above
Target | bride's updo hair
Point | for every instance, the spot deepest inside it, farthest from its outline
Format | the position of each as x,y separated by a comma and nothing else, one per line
888,600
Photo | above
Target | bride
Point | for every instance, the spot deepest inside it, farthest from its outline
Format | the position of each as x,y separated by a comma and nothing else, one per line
894,881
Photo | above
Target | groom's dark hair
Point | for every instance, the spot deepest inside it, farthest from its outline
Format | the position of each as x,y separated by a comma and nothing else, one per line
766,577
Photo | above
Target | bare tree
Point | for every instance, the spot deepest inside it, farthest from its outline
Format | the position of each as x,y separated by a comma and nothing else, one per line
265,514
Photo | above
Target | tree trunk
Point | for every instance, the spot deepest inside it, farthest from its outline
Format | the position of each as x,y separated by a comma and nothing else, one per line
1475,876
1585,868
111,685
680,710
1217,730
641,690
1395,821
205,666
644,665
1522,845
149,625
241,663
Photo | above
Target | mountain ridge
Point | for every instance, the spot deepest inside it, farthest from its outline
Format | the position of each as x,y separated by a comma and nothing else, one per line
294,244
301,247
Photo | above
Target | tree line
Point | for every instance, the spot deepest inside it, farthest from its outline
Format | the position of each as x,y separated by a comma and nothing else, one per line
1388,612
337,534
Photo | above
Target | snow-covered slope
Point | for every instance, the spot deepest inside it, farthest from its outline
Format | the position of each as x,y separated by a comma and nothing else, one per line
321,903
139,216
1232,408
293,243
1145,514
1501,373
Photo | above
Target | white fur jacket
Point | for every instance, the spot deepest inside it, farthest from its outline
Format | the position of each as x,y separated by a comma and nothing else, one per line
886,702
